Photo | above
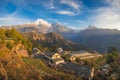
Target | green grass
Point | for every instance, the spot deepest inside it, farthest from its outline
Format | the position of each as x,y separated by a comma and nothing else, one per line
41,66
96,62
38,64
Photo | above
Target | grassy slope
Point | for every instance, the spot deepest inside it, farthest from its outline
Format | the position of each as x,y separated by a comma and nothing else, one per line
37,63
13,67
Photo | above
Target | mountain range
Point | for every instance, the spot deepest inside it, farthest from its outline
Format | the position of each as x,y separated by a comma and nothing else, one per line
53,41
43,26
95,38
99,39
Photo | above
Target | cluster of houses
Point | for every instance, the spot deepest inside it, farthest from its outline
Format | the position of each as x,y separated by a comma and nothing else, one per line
51,58
105,72
85,72
55,59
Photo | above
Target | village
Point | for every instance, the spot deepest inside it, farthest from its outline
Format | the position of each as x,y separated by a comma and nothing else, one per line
57,61
65,61
71,62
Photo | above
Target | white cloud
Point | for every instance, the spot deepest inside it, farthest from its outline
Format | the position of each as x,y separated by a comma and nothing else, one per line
73,7
71,3
52,20
65,12
50,4
13,20
107,17
113,3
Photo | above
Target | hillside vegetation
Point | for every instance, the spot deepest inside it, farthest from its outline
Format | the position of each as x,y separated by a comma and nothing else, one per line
11,38
15,67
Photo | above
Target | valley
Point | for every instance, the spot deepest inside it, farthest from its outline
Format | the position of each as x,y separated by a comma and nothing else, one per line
45,53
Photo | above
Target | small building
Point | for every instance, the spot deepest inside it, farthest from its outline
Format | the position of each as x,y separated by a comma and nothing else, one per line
82,55
72,58
104,70
60,50
55,57
36,51
106,66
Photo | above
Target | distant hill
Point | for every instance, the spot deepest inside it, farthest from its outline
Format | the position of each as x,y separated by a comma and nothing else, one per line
99,39
53,40
92,37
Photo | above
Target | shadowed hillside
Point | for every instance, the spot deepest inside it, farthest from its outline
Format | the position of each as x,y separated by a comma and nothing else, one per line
99,39
53,41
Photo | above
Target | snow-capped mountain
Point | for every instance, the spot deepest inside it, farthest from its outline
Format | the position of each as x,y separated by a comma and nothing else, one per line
60,28
43,26
91,27
41,22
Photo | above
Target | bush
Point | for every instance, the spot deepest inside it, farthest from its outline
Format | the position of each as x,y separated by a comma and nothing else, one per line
9,45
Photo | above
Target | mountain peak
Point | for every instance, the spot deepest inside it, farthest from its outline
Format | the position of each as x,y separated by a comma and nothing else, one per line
57,24
92,27
42,22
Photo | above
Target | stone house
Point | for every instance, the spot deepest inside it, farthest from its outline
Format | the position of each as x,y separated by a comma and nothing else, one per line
104,70
55,57
72,58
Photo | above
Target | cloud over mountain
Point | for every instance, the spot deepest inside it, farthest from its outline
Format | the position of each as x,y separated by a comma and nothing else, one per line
107,17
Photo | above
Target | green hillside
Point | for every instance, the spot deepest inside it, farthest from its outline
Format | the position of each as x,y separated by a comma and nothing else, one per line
15,67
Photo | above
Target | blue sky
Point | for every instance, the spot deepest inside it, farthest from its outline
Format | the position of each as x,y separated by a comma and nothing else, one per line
72,13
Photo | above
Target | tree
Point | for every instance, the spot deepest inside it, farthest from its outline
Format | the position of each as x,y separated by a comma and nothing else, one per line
112,54
112,50
9,45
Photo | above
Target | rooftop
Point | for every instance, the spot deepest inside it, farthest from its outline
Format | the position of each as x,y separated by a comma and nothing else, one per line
49,54
79,53
80,70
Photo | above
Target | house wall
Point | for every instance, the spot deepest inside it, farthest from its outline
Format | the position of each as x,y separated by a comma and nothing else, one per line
72,58
58,62
55,56
81,54
91,74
